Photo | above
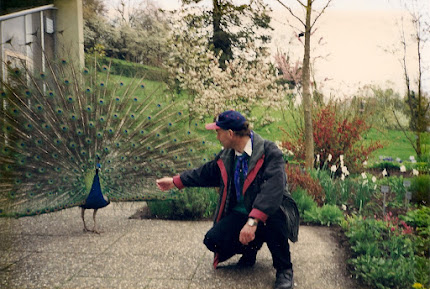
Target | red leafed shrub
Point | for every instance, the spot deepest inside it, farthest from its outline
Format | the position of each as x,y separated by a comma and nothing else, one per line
336,135
300,178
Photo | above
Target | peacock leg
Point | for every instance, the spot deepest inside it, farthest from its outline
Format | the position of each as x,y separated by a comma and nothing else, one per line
83,219
94,218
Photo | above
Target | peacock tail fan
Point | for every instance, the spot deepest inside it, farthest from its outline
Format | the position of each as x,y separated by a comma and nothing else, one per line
58,125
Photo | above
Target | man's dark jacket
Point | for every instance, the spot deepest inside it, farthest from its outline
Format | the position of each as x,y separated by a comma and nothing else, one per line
265,188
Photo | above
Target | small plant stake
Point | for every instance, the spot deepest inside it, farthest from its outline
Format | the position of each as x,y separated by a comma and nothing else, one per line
384,190
408,194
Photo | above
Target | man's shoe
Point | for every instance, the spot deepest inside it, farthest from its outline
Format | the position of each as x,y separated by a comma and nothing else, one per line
284,279
247,260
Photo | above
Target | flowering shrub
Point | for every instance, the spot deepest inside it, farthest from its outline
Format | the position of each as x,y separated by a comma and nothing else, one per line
300,178
384,252
335,135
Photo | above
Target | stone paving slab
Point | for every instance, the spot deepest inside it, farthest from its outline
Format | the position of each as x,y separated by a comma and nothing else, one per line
52,251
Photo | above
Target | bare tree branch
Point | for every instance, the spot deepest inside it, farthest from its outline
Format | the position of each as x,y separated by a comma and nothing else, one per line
322,12
291,11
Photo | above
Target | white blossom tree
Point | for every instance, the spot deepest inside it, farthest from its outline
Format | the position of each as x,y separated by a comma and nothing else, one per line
248,81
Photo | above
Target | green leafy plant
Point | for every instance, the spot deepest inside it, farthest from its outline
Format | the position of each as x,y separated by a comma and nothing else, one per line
383,252
420,188
303,200
191,204
326,215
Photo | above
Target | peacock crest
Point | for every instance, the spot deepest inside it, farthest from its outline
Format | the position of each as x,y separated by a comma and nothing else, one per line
62,126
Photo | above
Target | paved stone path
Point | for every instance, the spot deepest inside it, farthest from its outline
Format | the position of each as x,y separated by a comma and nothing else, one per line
52,251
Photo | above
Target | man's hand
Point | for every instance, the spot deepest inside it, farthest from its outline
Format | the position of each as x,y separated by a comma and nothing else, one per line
247,234
165,184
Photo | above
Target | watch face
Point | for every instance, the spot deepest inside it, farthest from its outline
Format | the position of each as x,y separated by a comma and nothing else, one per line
251,222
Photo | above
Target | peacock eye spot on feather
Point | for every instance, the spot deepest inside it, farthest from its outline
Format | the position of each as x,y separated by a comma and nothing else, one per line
203,142
158,105
27,92
149,117
2,93
102,84
170,124
132,116
86,70
63,61
135,99
88,90
55,155
41,170
28,175
121,83
188,132
104,67
51,93
43,75
59,111
179,113
142,85
101,101
66,81
117,98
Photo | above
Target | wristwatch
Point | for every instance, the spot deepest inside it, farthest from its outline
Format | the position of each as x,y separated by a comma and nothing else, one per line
252,222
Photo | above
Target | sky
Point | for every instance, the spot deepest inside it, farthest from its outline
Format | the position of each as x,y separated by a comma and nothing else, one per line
355,36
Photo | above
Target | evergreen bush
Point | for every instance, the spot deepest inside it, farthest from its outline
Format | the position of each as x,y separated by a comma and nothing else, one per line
191,204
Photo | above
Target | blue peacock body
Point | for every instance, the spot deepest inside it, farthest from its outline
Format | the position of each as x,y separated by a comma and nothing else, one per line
65,125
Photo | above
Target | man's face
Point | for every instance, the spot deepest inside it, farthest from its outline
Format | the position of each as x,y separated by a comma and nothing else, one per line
225,137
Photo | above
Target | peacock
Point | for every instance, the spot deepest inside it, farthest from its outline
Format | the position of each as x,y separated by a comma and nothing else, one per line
73,136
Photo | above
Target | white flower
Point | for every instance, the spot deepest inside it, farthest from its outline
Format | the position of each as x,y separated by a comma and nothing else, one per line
412,158
402,169
333,168
318,158
343,207
363,175
341,158
374,179
375,187
345,171
365,163
384,172
329,157
342,177
365,182
415,172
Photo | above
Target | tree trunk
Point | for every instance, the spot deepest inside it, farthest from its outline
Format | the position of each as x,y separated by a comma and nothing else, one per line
307,98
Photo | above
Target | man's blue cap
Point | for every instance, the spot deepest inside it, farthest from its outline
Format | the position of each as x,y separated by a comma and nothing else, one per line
229,119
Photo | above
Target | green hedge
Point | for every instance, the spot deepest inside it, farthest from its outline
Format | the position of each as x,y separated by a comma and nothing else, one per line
191,204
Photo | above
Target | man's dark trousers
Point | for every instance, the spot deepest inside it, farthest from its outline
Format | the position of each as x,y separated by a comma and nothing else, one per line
223,238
